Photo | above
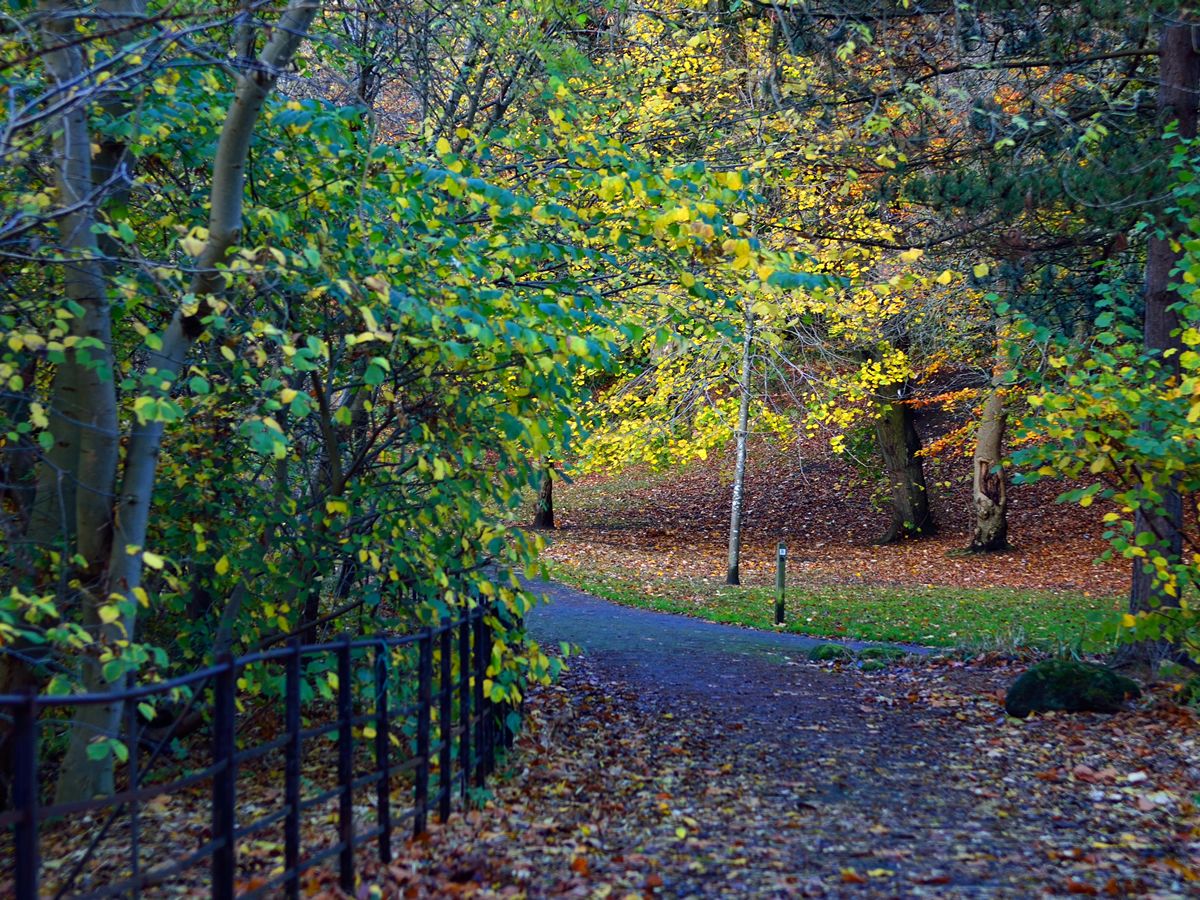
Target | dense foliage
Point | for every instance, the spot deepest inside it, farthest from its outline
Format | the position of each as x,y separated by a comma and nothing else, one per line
300,300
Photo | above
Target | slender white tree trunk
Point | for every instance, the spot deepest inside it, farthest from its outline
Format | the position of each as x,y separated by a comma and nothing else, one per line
739,467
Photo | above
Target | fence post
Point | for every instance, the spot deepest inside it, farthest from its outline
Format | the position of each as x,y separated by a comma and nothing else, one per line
345,718
479,669
445,723
383,743
424,709
224,798
291,771
464,702
489,725
25,798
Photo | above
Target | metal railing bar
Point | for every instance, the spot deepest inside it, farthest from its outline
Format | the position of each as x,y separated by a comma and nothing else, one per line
323,797
469,737
51,700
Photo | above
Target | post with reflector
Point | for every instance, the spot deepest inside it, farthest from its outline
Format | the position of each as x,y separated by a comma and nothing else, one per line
780,581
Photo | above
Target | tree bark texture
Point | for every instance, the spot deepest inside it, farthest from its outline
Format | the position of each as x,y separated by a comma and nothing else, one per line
1179,82
84,398
990,500
900,445
732,575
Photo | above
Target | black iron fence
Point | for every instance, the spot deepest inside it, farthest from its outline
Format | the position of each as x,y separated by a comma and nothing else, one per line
413,728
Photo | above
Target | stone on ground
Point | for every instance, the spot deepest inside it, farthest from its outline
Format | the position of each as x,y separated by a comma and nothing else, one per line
1067,685
829,652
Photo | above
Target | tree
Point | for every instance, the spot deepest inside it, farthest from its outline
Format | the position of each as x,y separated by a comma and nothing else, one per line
1178,98
543,517
739,466
334,359
988,482
89,502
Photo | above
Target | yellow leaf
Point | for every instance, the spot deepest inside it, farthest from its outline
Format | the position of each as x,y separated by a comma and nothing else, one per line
222,565
912,255
153,560
109,614
981,270
945,277
1128,621
443,146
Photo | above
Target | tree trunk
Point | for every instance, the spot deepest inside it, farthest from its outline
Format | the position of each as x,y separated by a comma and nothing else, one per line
82,777
899,444
86,392
990,499
1179,82
739,466
543,517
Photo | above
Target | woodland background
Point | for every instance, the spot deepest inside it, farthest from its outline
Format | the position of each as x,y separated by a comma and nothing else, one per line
305,305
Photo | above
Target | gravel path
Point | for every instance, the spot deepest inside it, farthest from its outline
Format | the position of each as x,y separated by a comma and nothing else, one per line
730,766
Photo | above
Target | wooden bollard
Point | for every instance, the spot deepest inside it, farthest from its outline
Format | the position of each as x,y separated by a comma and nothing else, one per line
780,581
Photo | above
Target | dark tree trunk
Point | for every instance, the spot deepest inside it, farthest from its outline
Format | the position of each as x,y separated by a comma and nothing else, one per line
544,516
1179,81
899,444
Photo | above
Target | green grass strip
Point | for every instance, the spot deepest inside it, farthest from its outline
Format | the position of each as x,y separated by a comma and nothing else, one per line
971,618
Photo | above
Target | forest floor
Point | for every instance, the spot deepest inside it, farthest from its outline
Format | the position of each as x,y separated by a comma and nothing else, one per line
680,758
660,540
829,513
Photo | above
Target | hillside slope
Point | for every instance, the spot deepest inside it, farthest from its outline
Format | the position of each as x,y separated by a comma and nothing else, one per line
675,524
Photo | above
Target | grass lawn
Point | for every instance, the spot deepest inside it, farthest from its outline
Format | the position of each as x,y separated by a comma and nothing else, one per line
972,618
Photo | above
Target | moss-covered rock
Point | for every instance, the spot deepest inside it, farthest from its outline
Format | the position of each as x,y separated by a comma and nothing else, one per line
1068,685
873,665
884,653
829,652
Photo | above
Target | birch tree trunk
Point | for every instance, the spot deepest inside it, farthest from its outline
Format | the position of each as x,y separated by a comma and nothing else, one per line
739,467
83,777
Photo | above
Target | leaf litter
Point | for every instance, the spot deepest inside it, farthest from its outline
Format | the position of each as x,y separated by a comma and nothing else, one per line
833,783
